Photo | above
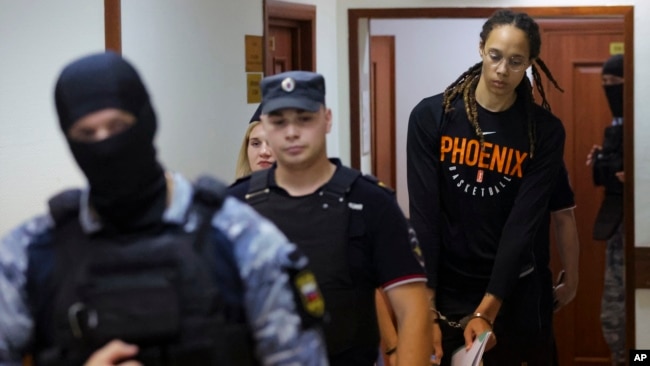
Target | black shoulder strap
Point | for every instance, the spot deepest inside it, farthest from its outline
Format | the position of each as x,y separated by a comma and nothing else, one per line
340,183
342,180
209,194
209,191
258,187
65,205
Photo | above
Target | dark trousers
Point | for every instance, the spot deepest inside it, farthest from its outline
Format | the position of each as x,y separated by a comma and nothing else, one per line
522,332
509,351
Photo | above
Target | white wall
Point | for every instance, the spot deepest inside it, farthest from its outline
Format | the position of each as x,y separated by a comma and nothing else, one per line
36,41
641,107
191,55
416,77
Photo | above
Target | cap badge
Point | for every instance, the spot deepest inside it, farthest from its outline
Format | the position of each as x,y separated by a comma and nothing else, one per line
288,85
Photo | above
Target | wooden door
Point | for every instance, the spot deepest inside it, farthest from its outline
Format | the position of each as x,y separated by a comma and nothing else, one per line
290,37
282,40
382,108
574,51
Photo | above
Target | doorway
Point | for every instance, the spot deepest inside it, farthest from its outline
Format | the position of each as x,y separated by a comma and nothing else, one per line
290,34
569,15
382,108
575,52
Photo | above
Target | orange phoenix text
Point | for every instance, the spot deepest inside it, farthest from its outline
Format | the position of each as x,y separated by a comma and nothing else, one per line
464,151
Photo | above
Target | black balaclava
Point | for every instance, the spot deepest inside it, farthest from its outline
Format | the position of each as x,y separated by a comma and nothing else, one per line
127,184
614,93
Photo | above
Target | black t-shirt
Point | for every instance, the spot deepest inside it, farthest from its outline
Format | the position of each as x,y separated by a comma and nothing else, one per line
379,251
476,212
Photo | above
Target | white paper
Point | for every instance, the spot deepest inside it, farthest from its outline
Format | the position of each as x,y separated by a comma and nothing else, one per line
473,356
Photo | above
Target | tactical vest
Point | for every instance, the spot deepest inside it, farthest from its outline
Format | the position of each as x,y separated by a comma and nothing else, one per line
323,226
607,162
155,289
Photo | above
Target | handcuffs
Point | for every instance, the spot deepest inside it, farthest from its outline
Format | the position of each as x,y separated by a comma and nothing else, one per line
462,323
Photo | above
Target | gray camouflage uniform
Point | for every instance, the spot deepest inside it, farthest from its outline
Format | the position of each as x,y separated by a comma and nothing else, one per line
262,254
612,314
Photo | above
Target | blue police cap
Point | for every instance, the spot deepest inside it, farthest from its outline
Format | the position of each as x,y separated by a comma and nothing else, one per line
293,89
256,115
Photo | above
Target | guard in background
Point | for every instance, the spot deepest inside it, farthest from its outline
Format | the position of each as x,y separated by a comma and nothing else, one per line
350,227
143,255
608,172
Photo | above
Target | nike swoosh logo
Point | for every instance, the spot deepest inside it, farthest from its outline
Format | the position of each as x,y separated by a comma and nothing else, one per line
489,132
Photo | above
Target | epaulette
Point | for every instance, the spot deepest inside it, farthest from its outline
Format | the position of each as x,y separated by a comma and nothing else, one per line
209,190
65,205
258,187
375,180
342,180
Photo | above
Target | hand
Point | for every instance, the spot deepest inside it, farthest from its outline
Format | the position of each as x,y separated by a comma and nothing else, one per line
475,327
437,344
621,176
113,353
562,295
590,156
564,291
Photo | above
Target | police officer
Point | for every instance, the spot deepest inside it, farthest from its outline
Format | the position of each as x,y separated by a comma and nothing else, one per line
350,227
608,172
145,256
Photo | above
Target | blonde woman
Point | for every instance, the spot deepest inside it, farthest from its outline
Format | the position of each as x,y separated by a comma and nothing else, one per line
254,153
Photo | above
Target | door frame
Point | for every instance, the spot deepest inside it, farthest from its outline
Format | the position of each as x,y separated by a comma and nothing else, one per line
276,11
633,256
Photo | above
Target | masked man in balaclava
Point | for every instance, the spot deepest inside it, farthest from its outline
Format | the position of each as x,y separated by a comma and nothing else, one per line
177,271
608,172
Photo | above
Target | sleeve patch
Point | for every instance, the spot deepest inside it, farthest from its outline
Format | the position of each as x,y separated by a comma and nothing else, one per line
309,293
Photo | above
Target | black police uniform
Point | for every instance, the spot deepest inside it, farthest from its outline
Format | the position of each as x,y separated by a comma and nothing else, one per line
351,228
356,239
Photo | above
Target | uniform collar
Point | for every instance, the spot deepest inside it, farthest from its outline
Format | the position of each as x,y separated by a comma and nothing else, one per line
273,183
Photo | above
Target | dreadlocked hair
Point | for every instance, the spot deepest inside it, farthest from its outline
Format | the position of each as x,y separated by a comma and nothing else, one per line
540,88
466,83
457,87
538,81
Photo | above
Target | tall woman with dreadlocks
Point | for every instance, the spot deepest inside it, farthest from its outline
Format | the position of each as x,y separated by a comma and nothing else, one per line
482,158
